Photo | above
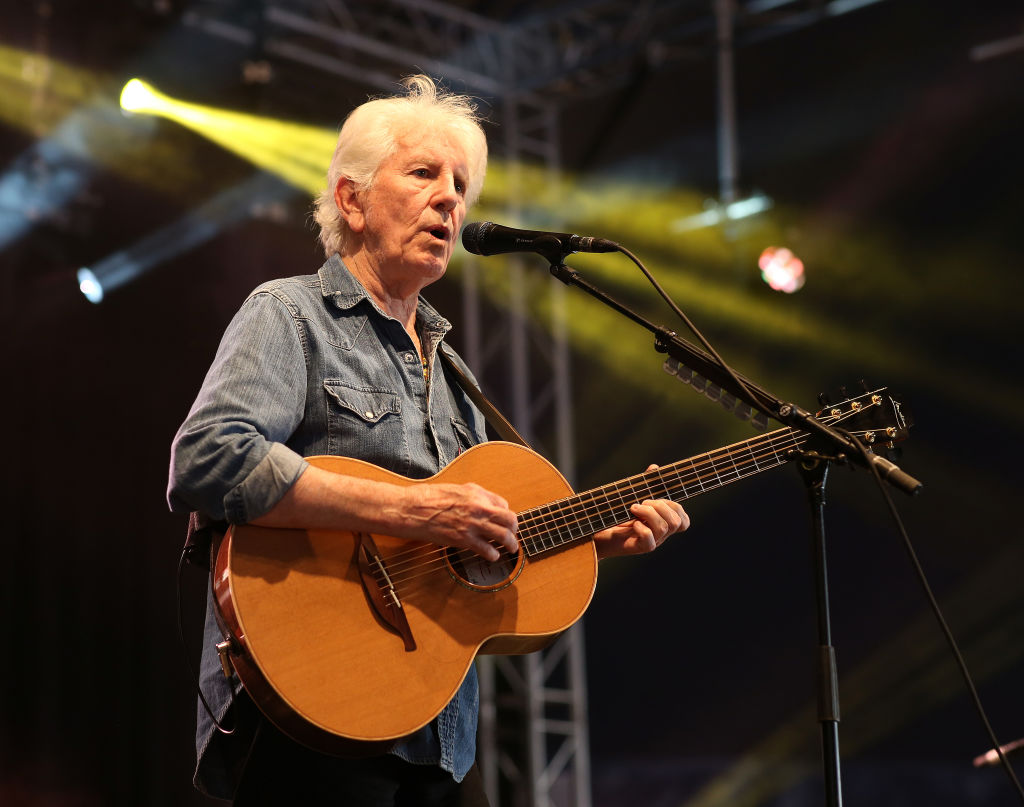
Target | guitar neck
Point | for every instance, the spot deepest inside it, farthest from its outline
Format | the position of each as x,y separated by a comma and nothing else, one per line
579,516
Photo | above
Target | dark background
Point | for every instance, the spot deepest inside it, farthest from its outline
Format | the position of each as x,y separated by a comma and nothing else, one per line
894,162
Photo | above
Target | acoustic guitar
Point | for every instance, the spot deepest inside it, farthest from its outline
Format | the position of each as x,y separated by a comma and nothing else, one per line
342,636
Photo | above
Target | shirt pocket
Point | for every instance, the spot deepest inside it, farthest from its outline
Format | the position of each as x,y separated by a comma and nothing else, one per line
366,424
463,434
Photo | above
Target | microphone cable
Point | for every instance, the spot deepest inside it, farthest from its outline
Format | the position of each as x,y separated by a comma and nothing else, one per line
937,611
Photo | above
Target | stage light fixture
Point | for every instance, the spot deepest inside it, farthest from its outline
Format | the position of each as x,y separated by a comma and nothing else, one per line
716,213
781,269
90,285
138,96
259,193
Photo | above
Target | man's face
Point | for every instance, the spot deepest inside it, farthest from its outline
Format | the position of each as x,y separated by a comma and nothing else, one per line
415,208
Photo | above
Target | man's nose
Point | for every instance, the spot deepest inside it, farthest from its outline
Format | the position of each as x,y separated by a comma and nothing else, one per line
447,196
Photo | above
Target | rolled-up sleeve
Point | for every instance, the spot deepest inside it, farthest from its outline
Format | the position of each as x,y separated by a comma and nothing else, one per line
229,459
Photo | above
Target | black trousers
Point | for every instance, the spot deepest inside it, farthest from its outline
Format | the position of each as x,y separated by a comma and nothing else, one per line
280,771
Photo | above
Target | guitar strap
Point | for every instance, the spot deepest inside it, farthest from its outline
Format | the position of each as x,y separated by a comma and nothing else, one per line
506,431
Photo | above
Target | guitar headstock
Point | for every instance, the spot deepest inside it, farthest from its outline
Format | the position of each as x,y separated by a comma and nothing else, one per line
877,417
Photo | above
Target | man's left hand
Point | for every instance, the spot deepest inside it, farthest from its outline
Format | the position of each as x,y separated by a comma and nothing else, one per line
653,521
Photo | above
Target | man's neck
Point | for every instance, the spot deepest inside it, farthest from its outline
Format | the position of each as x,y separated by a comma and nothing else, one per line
394,299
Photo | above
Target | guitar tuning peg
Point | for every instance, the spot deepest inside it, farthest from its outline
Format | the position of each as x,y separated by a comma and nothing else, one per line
844,393
823,399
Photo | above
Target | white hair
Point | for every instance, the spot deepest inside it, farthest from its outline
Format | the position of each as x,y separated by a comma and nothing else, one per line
370,135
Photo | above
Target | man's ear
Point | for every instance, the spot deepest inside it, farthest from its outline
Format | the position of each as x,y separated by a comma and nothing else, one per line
350,204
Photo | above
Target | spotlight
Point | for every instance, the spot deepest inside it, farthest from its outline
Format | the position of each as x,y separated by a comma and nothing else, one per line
781,269
137,96
298,153
89,285
716,213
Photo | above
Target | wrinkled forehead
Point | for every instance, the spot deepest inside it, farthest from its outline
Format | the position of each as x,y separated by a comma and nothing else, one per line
433,144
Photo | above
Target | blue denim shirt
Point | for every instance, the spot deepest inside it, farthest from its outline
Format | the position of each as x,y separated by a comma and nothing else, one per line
311,365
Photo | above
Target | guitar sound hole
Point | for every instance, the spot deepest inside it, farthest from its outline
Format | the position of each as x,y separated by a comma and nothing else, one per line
472,570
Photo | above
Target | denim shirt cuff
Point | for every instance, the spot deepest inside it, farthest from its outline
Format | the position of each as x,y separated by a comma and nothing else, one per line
265,485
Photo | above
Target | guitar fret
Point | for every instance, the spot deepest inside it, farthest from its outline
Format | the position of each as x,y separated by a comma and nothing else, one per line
714,469
684,492
684,480
783,435
575,527
528,533
561,532
741,465
790,438
670,479
659,490
753,457
548,536
590,508
730,467
696,475
606,508
623,506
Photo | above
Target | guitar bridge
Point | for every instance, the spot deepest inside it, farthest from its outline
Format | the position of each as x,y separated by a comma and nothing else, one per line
389,587
381,590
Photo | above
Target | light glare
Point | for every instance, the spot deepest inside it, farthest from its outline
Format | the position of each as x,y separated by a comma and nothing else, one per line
89,285
717,213
137,96
781,269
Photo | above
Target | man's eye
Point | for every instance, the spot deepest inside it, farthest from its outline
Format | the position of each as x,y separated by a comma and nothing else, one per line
420,172
460,187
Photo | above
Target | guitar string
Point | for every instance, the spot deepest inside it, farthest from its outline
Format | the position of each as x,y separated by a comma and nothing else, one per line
415,559
531,518
427,563
435,559
588,499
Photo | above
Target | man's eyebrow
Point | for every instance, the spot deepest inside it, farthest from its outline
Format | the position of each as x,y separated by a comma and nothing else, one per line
421,157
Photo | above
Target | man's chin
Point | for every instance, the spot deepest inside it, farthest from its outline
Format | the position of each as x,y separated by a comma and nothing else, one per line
433,269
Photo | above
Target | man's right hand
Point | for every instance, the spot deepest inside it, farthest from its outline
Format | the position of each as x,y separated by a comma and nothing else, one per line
465,516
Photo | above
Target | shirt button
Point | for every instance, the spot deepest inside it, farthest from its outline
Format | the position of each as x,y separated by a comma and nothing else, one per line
409,358
368,414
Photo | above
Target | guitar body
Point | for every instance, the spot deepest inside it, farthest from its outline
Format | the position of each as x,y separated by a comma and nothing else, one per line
312,642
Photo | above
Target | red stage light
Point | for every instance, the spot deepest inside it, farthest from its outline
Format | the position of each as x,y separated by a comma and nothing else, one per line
781,269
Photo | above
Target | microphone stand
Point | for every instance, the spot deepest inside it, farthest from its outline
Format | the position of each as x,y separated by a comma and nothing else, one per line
814,465
814,470
836,443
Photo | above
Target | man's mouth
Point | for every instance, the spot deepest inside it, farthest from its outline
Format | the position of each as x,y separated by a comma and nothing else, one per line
440,233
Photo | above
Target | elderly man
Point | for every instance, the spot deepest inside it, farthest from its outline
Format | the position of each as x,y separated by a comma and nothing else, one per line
345,362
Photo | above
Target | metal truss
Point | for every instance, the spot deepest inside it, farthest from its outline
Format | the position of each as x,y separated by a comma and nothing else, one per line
566,50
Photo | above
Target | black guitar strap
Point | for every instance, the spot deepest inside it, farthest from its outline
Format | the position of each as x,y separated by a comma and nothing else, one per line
506,431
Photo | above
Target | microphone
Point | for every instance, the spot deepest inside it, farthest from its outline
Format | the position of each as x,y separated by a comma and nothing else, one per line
488,238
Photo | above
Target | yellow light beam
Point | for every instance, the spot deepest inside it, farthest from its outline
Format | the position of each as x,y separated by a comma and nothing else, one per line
298,153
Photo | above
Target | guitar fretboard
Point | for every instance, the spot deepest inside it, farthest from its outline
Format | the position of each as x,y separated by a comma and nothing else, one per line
579,516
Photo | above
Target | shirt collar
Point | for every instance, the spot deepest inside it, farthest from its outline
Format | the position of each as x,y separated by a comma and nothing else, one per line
342,288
